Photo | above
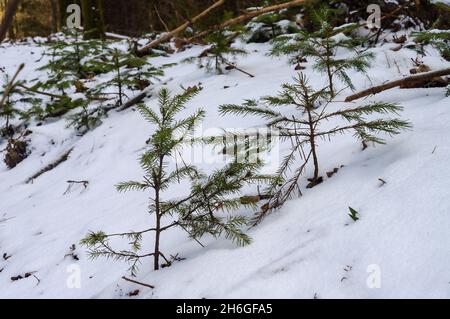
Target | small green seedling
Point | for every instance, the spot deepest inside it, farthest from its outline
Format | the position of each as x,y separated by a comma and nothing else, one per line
353,214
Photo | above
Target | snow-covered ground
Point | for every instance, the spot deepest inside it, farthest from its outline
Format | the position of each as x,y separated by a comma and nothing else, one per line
310,248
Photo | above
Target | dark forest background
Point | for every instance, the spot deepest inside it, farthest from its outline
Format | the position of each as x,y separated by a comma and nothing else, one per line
129,17
137,17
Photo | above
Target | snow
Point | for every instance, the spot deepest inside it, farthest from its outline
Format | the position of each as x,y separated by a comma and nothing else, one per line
441,1
309,248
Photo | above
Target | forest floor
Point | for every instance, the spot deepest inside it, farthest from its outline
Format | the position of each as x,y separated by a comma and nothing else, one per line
399,248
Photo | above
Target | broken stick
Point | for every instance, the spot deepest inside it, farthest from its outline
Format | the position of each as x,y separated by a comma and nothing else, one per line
137,282
8,18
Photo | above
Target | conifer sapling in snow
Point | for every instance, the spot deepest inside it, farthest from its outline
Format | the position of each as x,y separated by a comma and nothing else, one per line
68,63
220,53
300,115
322,45
67,72
205,210
7,109
437,38
267,26
354,215
12,93
16,149
130,72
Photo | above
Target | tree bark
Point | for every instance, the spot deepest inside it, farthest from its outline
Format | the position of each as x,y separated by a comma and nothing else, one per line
389,85
166,37
158,213
8,19
312,141
54,6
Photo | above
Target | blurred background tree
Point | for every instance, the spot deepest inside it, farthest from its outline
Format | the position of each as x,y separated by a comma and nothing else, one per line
128,17
93,19
137,17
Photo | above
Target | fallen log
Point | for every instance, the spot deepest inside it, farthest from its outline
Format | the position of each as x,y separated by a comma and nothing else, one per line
250,15
135,100
403,82
166,37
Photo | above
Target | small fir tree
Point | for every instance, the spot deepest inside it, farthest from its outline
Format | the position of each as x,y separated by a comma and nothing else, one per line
269,22
354,215
201,211
86,119
220,55
129,70
11,94
304,127
322,46
16,148
8,111
270,25
67,71
437,38
68,63
55,107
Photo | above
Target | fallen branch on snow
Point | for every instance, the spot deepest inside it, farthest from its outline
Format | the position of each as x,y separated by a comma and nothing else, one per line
389,85
135,100
138,283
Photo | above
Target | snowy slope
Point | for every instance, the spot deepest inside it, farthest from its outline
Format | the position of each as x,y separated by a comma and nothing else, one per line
309,248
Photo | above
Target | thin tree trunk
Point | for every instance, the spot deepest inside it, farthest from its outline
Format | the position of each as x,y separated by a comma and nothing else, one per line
313,145
330,80
158,213
157,237
8,19
10,86
54,7
329,54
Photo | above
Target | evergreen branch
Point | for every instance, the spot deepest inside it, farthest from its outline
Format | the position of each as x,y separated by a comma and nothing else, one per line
131,186
149,114
248,108
368,109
